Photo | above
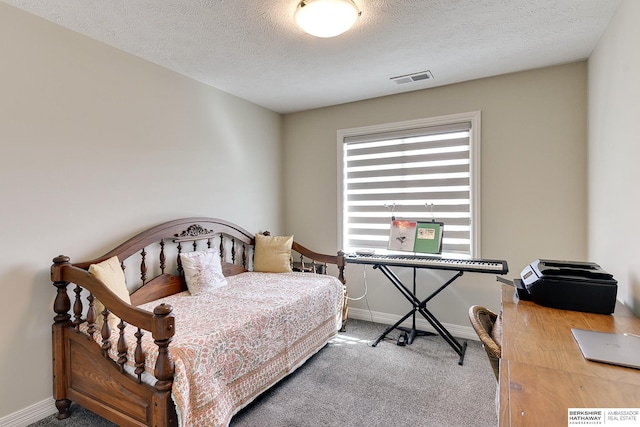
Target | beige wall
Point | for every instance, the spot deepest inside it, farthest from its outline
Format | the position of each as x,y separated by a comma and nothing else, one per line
534,181
614,152
96,145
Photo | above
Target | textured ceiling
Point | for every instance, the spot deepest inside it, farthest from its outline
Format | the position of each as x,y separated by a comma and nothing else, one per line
253,48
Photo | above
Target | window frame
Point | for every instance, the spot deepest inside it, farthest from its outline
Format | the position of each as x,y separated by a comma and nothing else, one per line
475,160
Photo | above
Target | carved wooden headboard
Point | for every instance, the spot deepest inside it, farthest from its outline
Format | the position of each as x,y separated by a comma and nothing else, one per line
152,265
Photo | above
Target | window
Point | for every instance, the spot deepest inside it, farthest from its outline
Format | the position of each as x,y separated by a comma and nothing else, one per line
420,169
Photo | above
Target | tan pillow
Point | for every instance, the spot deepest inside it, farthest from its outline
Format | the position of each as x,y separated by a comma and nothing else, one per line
272,254
496,330
111,274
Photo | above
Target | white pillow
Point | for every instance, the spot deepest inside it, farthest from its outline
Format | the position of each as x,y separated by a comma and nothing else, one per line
202,271
111,274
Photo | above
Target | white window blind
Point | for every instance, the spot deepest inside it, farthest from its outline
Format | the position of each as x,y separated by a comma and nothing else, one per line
422,172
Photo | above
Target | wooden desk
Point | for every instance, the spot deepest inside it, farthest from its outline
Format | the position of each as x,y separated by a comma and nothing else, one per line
542,371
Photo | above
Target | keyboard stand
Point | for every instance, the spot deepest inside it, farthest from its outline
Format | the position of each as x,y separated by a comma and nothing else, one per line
421,307
413,332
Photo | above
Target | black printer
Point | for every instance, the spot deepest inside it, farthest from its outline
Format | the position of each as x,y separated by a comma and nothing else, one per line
569,285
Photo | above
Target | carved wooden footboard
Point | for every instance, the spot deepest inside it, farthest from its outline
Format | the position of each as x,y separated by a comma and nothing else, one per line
84,372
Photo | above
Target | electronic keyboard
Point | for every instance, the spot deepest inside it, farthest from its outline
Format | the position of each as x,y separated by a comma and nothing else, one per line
417,261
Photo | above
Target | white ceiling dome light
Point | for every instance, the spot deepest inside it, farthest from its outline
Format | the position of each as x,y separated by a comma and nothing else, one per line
326,18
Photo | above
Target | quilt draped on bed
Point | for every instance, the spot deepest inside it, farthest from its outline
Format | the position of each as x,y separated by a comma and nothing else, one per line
235,342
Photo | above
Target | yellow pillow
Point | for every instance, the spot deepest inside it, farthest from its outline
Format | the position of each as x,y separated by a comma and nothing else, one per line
272,254
111,274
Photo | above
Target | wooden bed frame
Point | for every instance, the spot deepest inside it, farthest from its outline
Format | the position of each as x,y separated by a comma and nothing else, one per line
84,373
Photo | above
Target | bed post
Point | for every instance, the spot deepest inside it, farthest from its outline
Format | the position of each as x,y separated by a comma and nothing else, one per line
163,331
62,320
341,263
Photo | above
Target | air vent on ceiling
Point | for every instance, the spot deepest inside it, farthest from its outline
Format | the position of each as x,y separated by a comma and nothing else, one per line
415,77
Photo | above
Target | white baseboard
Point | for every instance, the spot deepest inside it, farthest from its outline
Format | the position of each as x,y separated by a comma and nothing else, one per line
30,414
464,332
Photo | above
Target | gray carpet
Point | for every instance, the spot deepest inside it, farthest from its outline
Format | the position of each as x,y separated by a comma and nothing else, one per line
350,383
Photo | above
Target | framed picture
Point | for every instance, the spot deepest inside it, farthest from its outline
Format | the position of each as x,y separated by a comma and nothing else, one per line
428,237
402,235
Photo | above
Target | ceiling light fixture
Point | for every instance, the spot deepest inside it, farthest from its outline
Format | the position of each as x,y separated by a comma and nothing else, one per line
326,18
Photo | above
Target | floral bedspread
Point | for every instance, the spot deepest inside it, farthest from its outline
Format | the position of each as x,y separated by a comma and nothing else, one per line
237,341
